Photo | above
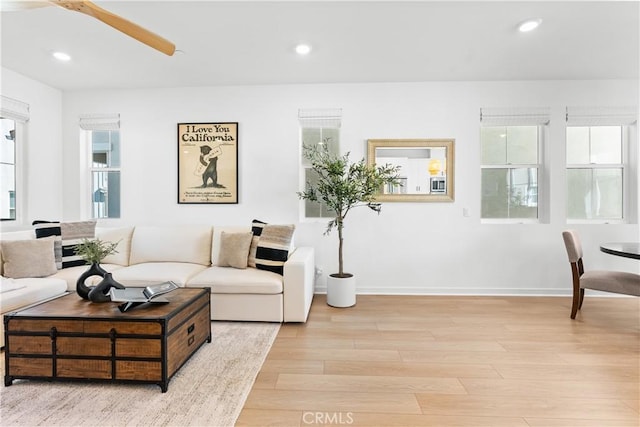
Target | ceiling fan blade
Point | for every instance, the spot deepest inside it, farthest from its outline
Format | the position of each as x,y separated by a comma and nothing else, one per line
13,6
120,24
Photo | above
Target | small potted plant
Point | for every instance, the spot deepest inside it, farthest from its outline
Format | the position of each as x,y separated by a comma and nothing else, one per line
93,251
342,186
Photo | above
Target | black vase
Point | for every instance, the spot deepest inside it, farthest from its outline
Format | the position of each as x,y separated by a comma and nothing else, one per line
94,270
100,293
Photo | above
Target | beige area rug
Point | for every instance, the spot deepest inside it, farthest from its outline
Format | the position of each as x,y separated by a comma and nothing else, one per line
209,390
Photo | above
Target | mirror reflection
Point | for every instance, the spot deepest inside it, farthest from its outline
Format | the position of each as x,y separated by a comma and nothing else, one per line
425,168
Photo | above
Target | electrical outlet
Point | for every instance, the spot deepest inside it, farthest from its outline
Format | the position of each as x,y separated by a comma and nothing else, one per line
319,271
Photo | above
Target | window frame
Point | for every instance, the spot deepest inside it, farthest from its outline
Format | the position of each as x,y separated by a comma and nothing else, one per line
19,194
542,131
315,119
19,112
88,123
624,165
94,169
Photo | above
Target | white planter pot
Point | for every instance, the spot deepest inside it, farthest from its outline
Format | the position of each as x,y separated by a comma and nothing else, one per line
341,291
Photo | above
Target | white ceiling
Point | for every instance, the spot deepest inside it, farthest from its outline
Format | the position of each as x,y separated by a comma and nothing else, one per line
251,42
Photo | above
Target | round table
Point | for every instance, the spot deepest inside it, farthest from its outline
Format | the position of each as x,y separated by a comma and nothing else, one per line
623,249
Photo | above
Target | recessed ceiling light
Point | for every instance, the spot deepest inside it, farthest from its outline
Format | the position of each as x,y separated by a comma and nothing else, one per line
61,56
529,25
303,49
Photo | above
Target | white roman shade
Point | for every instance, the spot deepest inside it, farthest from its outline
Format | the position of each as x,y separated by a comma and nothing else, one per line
100,121
320,117
601,116
514,116
13,109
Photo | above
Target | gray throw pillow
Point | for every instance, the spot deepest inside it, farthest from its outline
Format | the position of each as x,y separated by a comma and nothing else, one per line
234,249
29,258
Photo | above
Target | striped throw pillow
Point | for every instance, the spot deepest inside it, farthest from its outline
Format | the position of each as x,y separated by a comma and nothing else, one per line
273,247
256,229
72,234
68,235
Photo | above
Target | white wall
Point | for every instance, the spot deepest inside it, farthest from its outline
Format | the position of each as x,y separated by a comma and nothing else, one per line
42,181
410,247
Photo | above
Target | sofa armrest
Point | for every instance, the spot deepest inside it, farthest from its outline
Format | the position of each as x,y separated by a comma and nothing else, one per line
298,284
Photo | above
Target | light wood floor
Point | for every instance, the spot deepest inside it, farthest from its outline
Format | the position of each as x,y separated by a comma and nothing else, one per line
454,361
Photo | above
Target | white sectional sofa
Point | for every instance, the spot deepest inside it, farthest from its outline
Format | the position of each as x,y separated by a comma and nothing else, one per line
189,256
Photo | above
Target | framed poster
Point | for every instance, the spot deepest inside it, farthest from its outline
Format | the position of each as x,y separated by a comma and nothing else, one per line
208,162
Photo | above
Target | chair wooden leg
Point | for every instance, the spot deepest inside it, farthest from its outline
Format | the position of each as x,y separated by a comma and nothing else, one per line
578,293
581,299
575,304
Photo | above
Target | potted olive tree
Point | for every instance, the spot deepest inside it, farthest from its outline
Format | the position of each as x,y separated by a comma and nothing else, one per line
342,185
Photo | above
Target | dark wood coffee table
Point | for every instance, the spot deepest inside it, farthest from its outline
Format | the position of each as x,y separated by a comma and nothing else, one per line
69,338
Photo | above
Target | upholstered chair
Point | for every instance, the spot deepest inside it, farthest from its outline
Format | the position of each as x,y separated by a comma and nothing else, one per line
619,282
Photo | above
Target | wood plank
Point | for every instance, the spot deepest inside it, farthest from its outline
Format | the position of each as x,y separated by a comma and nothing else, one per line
333,354
574,422
293,366
408,369
83,368
569,373
308,342
30,367
405,420
428,345
514,406
269,418
321,401
489,357
370,383
550,388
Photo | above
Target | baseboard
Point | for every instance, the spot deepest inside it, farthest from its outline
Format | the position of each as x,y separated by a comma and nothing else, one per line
538,292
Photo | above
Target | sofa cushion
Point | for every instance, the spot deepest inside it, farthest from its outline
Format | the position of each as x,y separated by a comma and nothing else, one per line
225,280
123,237
70,275
149,273
234,249
19,293
188,244
29,258
273,247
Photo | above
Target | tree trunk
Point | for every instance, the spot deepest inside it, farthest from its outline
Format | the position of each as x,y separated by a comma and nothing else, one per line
340,263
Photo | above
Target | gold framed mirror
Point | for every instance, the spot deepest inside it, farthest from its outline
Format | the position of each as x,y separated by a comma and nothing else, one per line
426,168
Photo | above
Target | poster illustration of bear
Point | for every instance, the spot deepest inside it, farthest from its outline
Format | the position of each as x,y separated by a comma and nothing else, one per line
208,162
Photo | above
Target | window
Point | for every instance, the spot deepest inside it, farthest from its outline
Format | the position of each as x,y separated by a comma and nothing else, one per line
595,172
105,174
511,146
104,171
13,116
596,155
318,127
8,169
